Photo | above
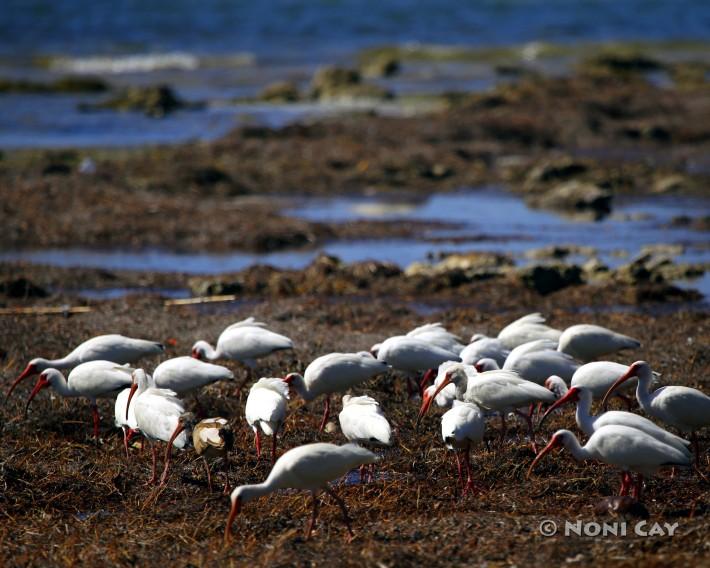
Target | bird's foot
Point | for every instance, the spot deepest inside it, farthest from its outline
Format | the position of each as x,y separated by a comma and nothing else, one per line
473,488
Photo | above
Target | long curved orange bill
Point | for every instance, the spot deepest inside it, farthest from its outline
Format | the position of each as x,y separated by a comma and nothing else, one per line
29,370
41,384
552,444
569,397
426,403
134,386
233,512
625,377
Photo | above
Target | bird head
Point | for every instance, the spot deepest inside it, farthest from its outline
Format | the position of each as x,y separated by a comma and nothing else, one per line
33,367
199,350
138,377
453,375
573,395
558,440
43,382
486,364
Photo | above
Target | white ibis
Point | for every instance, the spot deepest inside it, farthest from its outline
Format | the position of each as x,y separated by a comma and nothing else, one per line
527,328
244,342
334,373
160,416
582,396
557,386
501,391
310,468
92,380
461,427
626,448
482,347
265,411
437,334
413,355
534,362
187,374
213,439
587,342
115,348
685,408
363,422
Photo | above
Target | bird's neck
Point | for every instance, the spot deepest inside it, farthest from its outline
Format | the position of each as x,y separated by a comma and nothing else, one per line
63,363
643,391
62,387
301,387
585,420
573,447
251,492
211,353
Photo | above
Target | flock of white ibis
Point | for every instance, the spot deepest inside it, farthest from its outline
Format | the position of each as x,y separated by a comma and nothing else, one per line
527,366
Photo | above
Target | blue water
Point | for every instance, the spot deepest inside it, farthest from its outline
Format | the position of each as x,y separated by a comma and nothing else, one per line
311,29
495,221
215,50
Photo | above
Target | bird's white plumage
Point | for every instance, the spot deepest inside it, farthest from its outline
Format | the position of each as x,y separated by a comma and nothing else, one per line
527,328
184,374
94,379
437,334
411,354
463,424
536,361
362,421
158,411
587,342
599,376
120,418
267,405
484,348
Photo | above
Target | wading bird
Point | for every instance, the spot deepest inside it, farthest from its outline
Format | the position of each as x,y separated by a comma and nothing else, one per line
308,467
244,342
627,448
265,411
587,342
684,408
363,422
537,360
92,380
461,427
482,347
115,348
187,374
334,373
161,417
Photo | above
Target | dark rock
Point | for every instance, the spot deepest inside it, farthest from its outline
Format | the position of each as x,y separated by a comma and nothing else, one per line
68,84
546,279
337,82
280,92
575,196
154,101
622,61
701,223
560,169
380,65
201,287
22,288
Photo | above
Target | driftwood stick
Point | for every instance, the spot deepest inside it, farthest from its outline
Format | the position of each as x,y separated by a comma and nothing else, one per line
200,300
42,310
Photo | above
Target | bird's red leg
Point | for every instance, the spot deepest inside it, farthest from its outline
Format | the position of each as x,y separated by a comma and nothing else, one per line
125,441
326,414
209,474
362,473
273,447
97,419
373,472
537,412
341,504
469,479
314,516
257,442
168,453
